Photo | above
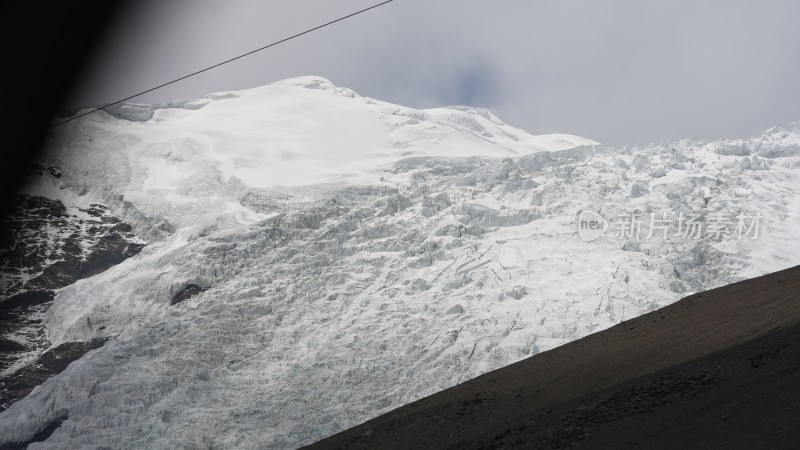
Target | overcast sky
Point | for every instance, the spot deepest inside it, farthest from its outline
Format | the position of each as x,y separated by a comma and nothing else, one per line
618,71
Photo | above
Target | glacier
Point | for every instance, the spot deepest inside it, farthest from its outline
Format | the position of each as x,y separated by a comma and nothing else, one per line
351,256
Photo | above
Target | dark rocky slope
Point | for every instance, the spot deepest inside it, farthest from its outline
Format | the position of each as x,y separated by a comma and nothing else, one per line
718,369
44,246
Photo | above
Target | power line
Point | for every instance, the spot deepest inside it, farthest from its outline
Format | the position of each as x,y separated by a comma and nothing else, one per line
223,62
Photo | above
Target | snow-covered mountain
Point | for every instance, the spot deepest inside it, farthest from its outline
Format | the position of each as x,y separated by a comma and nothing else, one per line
315,258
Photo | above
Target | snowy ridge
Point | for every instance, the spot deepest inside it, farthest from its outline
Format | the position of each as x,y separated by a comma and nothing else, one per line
299,132
359,255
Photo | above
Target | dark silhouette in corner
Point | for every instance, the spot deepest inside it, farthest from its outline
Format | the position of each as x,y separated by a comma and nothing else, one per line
46,48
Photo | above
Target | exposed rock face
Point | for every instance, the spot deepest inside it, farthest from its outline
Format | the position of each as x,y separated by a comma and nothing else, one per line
50,363
187,293
45,246
38,437
21,326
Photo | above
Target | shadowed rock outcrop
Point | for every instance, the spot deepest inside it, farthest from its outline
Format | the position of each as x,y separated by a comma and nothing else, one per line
46,245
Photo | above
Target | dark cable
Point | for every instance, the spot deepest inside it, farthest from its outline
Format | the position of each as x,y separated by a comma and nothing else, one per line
223,62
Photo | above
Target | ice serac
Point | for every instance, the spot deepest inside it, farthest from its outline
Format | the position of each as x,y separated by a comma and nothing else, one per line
335,256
